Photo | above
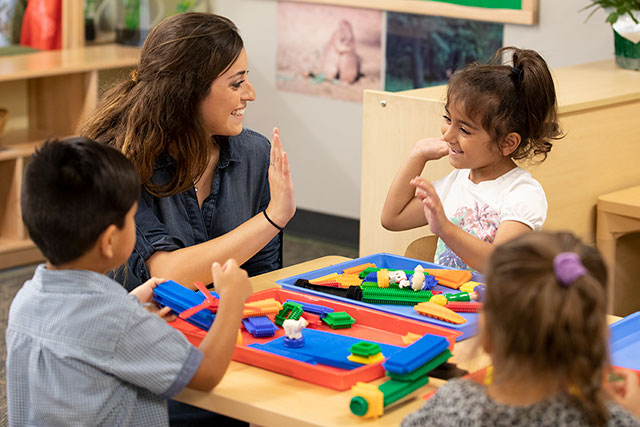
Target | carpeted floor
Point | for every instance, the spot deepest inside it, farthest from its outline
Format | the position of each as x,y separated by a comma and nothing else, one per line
296,250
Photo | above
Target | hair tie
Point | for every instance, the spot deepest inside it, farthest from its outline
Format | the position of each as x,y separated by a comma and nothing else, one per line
134,76
568,267
517,73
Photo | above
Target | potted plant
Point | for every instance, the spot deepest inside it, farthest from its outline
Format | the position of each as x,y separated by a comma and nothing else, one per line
624,17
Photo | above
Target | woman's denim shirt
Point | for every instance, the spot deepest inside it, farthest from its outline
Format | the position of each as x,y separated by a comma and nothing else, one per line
239,191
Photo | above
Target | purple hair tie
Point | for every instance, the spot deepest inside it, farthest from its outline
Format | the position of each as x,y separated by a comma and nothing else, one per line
568,267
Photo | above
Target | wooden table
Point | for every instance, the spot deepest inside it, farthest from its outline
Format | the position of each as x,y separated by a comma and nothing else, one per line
267,398
618,214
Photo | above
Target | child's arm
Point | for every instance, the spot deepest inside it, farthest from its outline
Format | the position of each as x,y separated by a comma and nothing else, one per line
233,287
402,210
473,251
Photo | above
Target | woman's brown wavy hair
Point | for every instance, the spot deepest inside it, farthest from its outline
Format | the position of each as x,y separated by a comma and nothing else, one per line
519,97
156,110
535,325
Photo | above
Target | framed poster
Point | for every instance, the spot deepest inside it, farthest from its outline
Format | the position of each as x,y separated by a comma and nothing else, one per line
504,11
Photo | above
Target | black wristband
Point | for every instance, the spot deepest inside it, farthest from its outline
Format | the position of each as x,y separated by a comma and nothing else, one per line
272,223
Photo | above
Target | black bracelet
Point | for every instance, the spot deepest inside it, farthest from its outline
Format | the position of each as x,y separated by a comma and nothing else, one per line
272,223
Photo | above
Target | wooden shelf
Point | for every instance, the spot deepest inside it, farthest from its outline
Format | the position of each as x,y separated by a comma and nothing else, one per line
61,86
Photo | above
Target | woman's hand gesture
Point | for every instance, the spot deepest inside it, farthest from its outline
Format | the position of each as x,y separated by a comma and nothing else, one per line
282,205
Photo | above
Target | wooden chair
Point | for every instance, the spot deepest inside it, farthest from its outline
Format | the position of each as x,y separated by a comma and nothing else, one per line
423,248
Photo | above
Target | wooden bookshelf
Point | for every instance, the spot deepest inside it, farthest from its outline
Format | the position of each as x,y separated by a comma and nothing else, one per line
61,86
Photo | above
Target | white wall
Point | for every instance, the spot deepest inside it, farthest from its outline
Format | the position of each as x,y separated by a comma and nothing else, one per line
323,136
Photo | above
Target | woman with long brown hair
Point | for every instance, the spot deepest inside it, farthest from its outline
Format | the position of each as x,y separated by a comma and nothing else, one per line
212,190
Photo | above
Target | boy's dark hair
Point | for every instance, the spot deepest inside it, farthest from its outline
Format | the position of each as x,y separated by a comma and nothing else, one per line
516,97
72,191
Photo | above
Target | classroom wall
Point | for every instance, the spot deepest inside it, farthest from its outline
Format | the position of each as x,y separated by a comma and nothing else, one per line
323,136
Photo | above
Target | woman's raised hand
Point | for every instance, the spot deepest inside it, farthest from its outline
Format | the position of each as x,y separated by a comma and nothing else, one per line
282,205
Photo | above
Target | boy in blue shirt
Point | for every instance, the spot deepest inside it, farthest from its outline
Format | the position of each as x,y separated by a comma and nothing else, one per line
80,349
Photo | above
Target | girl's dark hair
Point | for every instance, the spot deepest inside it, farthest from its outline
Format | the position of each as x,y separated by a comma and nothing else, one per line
536,325
72,191
519,97
156,110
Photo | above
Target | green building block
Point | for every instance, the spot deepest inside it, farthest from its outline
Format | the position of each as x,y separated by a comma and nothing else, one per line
290,310
338,320
394,390
461,296
423,370
365,349
394,296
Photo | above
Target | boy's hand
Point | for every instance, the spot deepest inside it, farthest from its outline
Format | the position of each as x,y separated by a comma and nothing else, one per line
430,149
144,293
230,281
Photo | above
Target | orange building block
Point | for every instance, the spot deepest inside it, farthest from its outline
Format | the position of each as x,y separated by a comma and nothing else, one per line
261,307
439,312
326,278
358,268
450,278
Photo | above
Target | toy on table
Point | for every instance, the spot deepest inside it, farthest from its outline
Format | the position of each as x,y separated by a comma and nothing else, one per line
293,331
366,353
407,370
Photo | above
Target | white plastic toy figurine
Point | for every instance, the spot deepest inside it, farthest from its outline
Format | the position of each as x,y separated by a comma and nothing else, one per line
292,327
397,276
418,278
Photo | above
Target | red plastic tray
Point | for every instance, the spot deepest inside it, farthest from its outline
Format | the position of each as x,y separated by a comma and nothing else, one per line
370,325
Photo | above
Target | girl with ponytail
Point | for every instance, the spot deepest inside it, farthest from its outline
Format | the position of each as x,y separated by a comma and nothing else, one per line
495,114
544,327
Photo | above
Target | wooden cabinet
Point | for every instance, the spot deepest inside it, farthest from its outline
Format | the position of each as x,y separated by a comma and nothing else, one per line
61,86
599,106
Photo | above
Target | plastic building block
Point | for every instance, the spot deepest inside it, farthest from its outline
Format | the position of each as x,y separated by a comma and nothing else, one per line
290,310
417,354
410,338
339,320
326,278
239,338
450,278
294,342
438,312
261,307
180,299
358,268
259,327
368,400
210,302
365,349
394,296
460,296
446,371
423,370
352,292
347,280
439,299
366,360
320,310
465,307
470,286
383,278
312,319
395,390
480,291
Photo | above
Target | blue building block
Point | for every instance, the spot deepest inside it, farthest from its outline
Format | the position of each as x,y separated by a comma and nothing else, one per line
321,347
259,326
178,298
417,354
320,310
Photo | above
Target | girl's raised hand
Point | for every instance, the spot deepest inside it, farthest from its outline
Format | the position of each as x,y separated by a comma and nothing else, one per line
282,205
433,210
430,149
